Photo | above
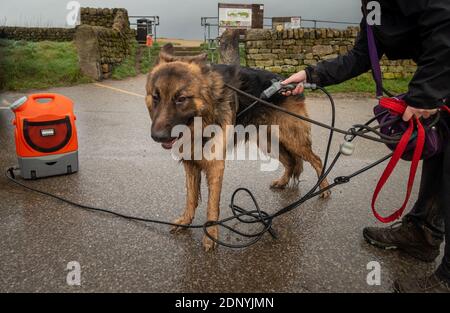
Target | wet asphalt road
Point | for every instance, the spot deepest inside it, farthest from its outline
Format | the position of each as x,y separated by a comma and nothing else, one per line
320,247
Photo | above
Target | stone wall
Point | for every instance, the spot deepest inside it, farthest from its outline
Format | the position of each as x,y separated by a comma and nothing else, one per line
103,40
289,51
36,33
103,17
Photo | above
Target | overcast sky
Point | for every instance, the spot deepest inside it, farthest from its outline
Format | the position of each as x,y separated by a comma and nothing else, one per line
179,18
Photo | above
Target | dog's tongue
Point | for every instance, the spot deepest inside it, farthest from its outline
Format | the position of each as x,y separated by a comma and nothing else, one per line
168,144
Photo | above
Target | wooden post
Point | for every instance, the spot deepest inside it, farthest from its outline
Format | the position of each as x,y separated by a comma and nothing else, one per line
229,47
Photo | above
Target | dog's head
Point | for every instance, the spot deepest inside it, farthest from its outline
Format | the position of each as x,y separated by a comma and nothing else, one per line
175,93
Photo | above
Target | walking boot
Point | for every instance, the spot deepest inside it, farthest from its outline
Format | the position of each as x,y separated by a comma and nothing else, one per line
419,242
426,284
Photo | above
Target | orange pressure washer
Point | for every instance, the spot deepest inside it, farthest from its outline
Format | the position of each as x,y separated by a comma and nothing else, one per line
45,134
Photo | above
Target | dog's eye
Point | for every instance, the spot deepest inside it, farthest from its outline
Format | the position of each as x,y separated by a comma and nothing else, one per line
181,99
155,98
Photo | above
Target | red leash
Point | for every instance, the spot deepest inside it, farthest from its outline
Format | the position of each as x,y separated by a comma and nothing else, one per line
398,107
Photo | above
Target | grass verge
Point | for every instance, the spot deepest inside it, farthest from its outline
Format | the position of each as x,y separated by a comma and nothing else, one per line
365,84
37,65
139,61
361,84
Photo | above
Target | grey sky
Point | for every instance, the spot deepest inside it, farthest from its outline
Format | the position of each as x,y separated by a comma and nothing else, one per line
179,18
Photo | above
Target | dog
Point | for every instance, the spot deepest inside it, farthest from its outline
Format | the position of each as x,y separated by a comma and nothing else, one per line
179,89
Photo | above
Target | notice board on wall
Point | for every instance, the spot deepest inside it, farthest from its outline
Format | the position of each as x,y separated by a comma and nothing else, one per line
240,16
287,22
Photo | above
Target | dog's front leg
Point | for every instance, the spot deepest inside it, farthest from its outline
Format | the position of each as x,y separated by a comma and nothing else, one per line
214,175
193,179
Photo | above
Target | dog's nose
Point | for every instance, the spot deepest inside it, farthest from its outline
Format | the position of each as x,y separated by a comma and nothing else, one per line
161,135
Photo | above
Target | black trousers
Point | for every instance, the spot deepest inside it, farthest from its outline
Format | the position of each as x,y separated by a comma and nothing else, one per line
432,208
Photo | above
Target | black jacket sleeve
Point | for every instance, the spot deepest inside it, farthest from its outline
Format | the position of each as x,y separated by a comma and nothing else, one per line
429,46
430,84
344,67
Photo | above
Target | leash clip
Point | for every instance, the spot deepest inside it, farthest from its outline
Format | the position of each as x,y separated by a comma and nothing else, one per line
341,180
348,147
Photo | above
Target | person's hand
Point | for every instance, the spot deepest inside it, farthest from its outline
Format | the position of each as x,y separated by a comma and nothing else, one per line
410,112
299,78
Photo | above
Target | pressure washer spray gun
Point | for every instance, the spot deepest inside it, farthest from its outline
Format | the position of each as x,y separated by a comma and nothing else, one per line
274,88
346,148
277,87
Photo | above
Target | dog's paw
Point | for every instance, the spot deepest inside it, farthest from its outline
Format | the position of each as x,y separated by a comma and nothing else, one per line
325,194
182,220
208,243
279,184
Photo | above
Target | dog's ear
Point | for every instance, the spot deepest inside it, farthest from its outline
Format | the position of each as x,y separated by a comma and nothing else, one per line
165,58
166,54
198,59
168,48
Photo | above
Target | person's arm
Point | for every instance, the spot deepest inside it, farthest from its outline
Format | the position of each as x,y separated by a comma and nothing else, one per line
430,84
337,70
344,67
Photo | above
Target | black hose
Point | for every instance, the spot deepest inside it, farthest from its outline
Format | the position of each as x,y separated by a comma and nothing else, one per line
257,215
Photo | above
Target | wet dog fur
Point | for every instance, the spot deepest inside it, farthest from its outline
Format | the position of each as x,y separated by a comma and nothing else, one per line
179,89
